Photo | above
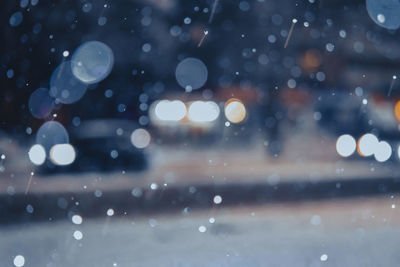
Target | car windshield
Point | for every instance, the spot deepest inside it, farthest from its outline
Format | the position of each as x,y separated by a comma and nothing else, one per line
199,133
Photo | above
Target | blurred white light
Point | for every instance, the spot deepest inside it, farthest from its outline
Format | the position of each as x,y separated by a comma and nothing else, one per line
235,111
383,151
153,186
19,261
381,18
76,219
367,145
200,111
37,154
202,229
78,235
217,199
166,110
62,154
110,212
140,138
345,145
92,62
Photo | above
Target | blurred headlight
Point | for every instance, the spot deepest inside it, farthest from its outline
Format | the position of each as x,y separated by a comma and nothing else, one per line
200,111
367,144
346,145
62,154
37,154
166,110
235,110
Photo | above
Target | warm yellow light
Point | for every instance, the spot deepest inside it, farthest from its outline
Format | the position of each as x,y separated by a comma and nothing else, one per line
235,111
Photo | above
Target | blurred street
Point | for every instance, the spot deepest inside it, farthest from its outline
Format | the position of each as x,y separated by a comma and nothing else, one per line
183,166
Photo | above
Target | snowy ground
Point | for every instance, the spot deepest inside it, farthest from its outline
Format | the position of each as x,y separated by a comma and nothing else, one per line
352,232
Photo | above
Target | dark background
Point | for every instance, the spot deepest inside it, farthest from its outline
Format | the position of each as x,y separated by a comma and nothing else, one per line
224,51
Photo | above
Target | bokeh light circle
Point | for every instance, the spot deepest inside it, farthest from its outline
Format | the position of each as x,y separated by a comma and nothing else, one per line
367,145
37,154
19,261
397,110
77,219
345,145
92,62
166,110
235,111
191,73
16,19
64,87
200,111
140,138
383,151
62,154
40,103
78,235
51,133
385,13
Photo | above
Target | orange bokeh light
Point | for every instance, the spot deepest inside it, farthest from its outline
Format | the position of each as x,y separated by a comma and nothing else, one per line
397,110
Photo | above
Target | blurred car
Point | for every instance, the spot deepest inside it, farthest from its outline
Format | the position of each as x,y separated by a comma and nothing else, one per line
342,113
100,145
